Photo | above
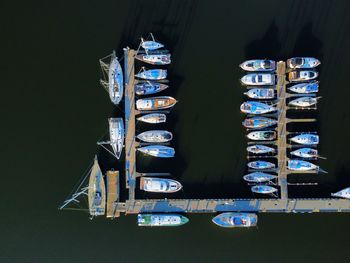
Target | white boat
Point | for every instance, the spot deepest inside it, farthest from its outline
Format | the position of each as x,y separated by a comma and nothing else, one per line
116,135
147,88
153,118
345,193
96,191
262,135
155,59
300,165
302,75
261,165
115,80
305,88
158,151
305,153
263,189
155,136
303,102
302,62
259,177
258,79
306,139
258,65
258,122
155,103
151,45
152,74
260,93
231,220
258,149
254,107
159,185
161,219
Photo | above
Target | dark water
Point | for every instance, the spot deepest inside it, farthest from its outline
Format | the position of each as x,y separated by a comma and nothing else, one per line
54,111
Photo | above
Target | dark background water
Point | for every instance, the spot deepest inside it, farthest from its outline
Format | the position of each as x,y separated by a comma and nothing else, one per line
54,111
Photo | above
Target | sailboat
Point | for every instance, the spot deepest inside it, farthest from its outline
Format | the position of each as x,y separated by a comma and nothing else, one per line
305,88
303,102
259,177
116,137
305,153
153,118
306,139
150,44
262,135
260,93
155,136
96,191
152,74
300,165
158,151
261,165
154,59
263,189
345,193
147,88
258,122
159,185
254,107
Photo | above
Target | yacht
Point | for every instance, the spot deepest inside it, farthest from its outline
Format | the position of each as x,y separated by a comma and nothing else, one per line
306,139
231,220
260,93
155,136
158,151
302,62
258,122
115,80
261,165
303,102
155,103
161,219
259,148
305,153
259,177
305,88
262,135
303,75
154,59
116,135
258,65
152,74
345,193
258,79
147,88
300,165
159,185
263,189
153,118
254,107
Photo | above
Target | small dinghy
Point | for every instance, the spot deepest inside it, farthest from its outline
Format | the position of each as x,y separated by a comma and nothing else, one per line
155,59
262,135
303,75
263,189
115,80
303,102
262,93
258,65
230,219
155,136
302,62
147,88
159,185
158,151
116,135
254,107
305,153
259,177
300,165
153,118
345,193
262,79
152,74
161,220
259,149
258,122
306,139
261,165
305,88
155,103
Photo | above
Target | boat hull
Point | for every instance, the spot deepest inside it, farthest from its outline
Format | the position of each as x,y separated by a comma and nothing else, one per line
116,135
254,107
303,102
304,75
305,153
159,185
263,189
255,79
305,88
262,135
300,165
232,220
115,80
258,65
302,63
306,139
158,151
151,45
262,93
161,220
345,193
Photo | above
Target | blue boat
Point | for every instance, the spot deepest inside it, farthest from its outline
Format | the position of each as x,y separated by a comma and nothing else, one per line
235,220
260,165
263,189
305,153
254,107
152,74
300,165
147,88
306,139
158,151
305,88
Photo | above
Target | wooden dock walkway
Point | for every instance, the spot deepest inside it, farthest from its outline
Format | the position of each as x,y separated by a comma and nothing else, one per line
112,193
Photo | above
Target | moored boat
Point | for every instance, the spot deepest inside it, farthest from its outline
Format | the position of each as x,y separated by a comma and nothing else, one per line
161,220
306,139
155,136
258,65
155,59
259,177
158,151
261,165
147,88
151,45
305,88
116,135
115,80
303,102
254,107
263,189
258,79
300,165
345,193
258,122
302,62
96,191
152,74
230,219
159,185
153,118
303,75
155,103
259,148
262,135
305,153
260,93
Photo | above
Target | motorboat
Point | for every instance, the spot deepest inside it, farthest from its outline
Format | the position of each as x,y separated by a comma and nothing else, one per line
155,136
258,122
305,153
153,118
302,75
259,177
159,185
154,59
306,139
155,103
115,80
158,151
303,102
258,79
96,191
261,165
259,148
151,44
302,62
254,107
263,189
305,88
116,135
262,135
258,65
260,93
300,165
161,219
231,220
147,88
345,193
152,74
